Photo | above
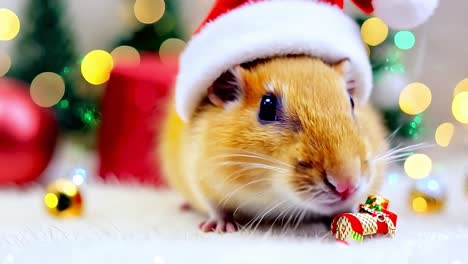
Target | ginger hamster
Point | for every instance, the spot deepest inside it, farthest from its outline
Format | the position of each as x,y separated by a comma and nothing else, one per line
273,138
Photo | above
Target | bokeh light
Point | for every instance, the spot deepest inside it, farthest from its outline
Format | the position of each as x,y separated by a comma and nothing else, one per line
393,178
69,189
47,89
10,24
433,185
419,204
460,107
51,200
125,55
149,11
97,66
5,63
444,134
404,40
171,48
374,31
461,87
79,176
428,195
415,98
418,166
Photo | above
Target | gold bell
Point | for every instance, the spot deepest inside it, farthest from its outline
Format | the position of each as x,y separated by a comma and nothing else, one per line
63,199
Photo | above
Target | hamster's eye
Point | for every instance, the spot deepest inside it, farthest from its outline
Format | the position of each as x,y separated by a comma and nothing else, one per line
268,107
352,102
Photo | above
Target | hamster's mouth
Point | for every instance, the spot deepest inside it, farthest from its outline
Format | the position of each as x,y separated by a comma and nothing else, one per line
327,203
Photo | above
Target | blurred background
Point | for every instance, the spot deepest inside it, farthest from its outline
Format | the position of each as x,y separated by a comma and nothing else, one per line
83,85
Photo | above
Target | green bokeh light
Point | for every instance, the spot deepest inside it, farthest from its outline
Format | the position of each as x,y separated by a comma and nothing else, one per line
397,68
405,40
64,104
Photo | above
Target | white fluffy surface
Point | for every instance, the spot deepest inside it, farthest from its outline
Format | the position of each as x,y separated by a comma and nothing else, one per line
266,29
132,224
135,225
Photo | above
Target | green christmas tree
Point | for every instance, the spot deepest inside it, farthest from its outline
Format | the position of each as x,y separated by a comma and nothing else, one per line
46,44
149,37
387,57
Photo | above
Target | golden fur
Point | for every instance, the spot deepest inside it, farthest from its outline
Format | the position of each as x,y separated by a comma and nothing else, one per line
207,160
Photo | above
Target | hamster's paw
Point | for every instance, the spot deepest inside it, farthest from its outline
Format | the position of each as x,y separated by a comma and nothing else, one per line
218,226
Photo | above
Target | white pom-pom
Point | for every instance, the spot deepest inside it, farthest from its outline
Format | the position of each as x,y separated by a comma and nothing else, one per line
404,14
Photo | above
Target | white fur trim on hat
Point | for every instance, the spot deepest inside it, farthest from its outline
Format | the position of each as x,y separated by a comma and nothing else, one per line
266,29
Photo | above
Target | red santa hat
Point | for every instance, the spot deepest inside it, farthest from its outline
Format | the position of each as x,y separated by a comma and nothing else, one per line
239,31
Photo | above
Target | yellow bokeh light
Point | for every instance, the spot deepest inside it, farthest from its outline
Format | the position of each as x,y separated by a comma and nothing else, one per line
125,55
47,89
97,66
9,24
171,48
5,63
149,11
444,134
374,31
415,98
419,204
69,189
418,166
460,107
51,200
461,87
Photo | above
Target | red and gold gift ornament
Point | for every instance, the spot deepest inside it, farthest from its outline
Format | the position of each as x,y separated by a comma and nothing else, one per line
373,218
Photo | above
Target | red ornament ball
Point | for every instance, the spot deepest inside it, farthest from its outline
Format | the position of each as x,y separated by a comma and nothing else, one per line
28,134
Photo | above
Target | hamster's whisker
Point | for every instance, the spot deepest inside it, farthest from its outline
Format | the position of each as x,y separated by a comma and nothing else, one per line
395,159
284,211
229,196
230,178
393,134
403,150
249,201
289,219
322,237
300,217
254,164
418,146
265,214
304,189
253,156
400,155
323,187
247,153
396,150
241,151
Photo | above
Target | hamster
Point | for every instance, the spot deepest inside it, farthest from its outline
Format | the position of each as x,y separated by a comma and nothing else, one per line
273,138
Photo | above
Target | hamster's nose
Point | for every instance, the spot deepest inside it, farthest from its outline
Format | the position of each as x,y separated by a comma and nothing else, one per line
344,189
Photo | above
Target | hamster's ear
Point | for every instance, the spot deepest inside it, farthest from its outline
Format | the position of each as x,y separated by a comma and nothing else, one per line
227,88
343,67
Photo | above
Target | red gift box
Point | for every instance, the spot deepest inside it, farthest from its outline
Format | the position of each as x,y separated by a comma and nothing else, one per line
133,104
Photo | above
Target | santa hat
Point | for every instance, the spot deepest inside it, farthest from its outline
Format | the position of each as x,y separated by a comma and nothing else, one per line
239,31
